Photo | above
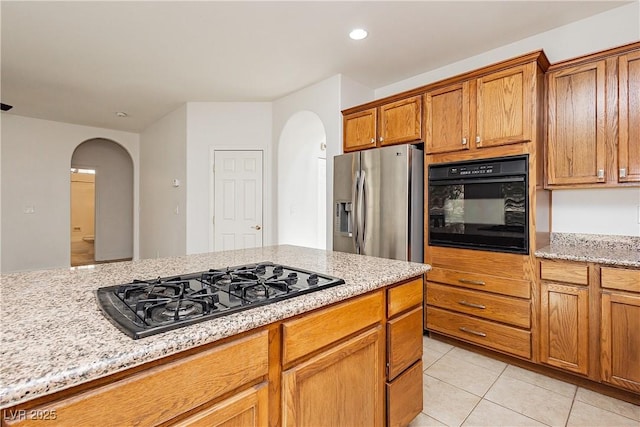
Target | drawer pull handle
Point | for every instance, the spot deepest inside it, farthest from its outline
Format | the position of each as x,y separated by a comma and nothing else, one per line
471,282
470,304
469,331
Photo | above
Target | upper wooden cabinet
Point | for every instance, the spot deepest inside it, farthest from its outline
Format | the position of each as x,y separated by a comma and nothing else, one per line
576,137
593,116
493,110
360,130
393,123
629,111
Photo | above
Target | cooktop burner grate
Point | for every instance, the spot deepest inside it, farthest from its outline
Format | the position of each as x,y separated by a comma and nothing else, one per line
147,307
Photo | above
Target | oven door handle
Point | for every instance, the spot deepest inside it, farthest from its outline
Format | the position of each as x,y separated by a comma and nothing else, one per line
472,180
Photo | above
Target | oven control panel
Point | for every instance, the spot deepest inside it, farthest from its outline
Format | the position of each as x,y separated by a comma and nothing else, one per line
483,169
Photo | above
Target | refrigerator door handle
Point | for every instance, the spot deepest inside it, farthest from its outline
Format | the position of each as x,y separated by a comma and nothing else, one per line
354,207
362,211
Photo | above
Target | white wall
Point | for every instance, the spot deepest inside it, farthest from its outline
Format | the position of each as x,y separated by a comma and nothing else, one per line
36,157
114,196
299,151
223,126
619,214
163,206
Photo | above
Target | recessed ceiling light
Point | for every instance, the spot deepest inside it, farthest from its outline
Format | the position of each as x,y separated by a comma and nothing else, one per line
121,114
358,34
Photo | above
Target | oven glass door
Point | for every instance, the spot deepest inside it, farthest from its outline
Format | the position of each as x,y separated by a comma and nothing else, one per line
477,213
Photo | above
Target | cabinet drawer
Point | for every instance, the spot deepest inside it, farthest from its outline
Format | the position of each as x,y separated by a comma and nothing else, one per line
483,282
624,279
493,307
403,297
500,337
158,394
308,334
404,335
404,396
567,272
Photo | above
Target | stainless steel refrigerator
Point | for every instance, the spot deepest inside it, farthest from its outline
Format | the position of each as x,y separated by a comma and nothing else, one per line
378,202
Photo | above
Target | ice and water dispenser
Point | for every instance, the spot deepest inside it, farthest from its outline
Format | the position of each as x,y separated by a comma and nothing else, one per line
344,218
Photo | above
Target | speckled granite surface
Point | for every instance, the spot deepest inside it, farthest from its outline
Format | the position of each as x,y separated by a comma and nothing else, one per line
604,249
54,335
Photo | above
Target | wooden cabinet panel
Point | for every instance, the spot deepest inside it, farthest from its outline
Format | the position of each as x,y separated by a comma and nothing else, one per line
482,282
493,307
504,106
401,121
624,279
563,271
620,340
306,334
360,130
576,125
404,338
447,119
629,117
564,326
489,334
246,409
476,263
405,296
151,396
404,397
350,379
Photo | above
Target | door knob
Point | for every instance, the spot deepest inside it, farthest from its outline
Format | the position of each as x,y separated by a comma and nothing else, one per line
257,227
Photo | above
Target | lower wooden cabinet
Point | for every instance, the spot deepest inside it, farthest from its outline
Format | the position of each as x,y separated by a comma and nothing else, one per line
246,409
404,396
620,340
339,387
564,326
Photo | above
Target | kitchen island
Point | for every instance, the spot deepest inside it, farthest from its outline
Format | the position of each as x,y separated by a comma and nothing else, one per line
55,338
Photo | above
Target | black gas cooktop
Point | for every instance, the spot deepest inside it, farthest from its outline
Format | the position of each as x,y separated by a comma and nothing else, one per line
147,307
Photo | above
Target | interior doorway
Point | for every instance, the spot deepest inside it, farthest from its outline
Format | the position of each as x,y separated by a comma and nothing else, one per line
110,237
83,212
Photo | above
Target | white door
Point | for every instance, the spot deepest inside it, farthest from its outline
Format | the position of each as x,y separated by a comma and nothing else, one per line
237,221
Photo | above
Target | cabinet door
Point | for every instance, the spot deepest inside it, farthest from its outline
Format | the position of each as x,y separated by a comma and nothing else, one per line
576,125
447,119
360,130
620,340
246,409
404,338
401,121
564,326
341,386
504,107
629,104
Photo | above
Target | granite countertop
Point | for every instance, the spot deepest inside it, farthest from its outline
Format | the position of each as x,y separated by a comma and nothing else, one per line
54,336
621,251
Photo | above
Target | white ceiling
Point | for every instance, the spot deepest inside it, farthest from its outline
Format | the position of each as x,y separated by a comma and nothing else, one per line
80,62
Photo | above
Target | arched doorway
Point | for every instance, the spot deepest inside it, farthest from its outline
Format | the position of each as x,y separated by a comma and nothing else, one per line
111,238
302,182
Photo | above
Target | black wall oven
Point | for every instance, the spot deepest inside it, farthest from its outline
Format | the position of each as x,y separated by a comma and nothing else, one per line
480,204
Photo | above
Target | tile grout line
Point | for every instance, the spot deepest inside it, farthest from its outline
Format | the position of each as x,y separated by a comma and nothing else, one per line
573,401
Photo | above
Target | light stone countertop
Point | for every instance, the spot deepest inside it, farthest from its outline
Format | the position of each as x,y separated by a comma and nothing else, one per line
623,251
54,336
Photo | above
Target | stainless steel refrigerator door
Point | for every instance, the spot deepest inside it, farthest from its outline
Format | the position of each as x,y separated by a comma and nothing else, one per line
346,169
386,194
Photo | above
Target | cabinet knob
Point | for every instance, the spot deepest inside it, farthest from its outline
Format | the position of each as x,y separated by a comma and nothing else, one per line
478,139
464,141
600,174
373,140
381,139
623,172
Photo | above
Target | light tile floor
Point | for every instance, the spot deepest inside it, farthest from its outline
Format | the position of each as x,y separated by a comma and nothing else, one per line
462,388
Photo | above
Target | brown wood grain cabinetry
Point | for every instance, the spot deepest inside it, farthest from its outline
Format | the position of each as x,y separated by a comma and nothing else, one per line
360,130
404,352
564,326
393,123
593,132
629,113
499,112
347,375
